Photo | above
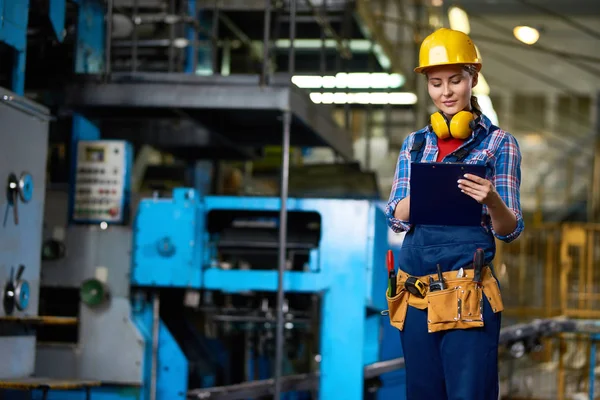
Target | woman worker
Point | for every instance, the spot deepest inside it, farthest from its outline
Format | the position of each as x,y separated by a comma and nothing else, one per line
450,336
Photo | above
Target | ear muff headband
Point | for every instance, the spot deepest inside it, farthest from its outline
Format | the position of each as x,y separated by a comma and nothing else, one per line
460,126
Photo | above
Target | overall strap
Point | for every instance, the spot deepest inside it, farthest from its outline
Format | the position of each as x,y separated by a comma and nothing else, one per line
416,152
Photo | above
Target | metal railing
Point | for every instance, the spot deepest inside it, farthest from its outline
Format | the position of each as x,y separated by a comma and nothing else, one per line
554,270
551,270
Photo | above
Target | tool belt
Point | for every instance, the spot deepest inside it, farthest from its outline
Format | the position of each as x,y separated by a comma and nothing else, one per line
459,306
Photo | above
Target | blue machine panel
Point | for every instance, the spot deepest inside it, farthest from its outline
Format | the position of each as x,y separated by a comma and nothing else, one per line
101,189
15,16
56,12
168,249
89,55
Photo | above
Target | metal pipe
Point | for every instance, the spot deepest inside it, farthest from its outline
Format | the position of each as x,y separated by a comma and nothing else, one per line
346,34
266,37
323,22
323,54
215,37
108,39
155,332
285,170
134,38
369,121
194,36
171,37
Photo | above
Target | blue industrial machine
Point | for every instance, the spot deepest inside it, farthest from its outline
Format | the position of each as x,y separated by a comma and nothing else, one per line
176,297
227,247
198,310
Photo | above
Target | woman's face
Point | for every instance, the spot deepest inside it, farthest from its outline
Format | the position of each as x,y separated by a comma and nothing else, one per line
450,87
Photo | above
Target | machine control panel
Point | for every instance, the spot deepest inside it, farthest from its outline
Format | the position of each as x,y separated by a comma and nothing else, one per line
102,182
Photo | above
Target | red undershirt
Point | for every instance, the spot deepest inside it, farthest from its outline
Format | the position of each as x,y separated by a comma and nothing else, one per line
447,146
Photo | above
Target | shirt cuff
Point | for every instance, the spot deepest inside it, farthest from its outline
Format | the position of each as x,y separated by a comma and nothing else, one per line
395,224
514,234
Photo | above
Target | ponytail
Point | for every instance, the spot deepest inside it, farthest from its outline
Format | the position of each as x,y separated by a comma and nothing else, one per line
475,106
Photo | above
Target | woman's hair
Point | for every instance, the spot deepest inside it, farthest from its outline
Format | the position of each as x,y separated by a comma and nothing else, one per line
474,103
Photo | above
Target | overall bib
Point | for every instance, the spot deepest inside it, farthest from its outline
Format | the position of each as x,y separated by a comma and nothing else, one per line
457,364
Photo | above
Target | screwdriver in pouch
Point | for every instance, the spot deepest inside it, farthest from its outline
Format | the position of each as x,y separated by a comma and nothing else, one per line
391,274
478,261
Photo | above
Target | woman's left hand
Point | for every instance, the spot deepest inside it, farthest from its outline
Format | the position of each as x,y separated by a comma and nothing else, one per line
478,188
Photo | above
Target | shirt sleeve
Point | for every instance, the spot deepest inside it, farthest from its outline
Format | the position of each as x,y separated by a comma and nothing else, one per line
507,180
400,187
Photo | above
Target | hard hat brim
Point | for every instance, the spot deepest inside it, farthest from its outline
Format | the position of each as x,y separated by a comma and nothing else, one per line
422,69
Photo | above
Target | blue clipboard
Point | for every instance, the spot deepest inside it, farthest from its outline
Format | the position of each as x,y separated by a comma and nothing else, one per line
435,198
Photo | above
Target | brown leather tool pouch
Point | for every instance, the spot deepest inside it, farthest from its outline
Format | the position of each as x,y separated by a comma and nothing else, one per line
491,290
397,307
460,306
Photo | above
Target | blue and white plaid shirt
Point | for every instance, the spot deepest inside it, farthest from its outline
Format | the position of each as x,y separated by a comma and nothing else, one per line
499,151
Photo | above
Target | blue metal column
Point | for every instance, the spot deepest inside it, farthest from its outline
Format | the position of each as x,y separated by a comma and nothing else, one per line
344,302
191,54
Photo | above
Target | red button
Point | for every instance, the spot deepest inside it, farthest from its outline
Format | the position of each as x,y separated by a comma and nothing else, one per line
113,212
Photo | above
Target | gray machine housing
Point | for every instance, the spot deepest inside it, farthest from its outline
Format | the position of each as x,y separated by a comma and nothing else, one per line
24,133
104,254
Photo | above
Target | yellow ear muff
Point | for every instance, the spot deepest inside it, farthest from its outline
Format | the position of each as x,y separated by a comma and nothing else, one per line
439,124
460,125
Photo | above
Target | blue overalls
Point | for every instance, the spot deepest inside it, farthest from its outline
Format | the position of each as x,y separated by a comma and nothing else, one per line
460,364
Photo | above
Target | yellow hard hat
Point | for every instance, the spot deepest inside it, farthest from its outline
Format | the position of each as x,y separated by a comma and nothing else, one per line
447,47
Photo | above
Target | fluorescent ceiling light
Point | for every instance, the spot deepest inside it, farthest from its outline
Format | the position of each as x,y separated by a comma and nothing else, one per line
526,34
395,98
354,80
459,20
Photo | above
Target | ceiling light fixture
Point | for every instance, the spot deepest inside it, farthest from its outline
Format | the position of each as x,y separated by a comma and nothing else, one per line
459,20
526,34
394,98
352,80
